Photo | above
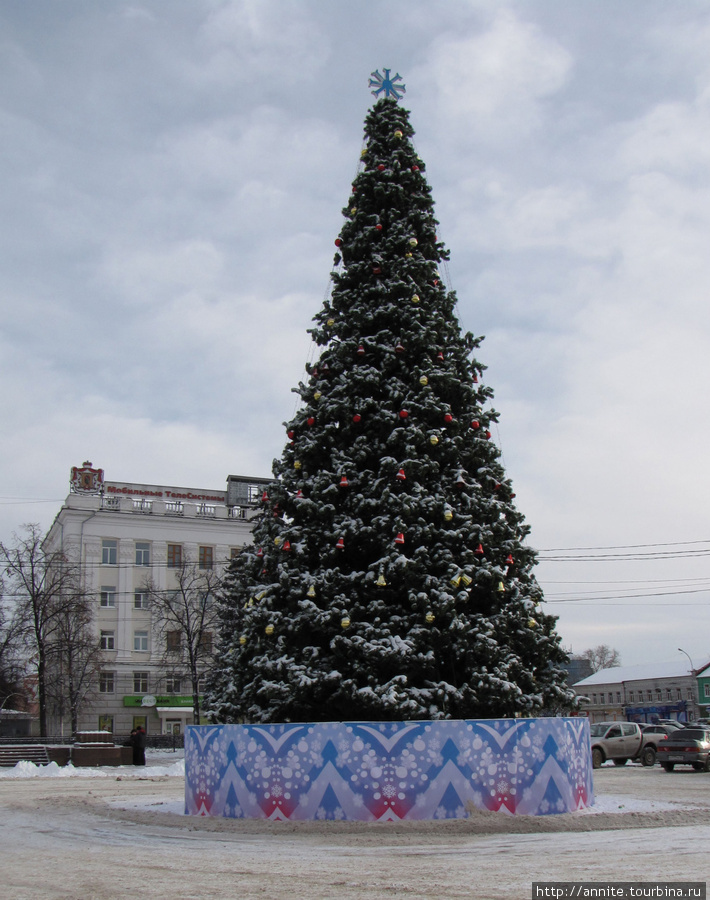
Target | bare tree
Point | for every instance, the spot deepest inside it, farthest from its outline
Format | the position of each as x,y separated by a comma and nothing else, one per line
12,665
75,660
602,657
185,620
46,591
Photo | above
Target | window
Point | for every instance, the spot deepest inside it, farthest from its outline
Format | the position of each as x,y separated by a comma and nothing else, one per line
649,695
140,640
206,557
689,694
108,597
631,696
618,696
206,642
668,694
142,554
174,556
140,682
109,553
172,684
140,600
678,694
614,732
173,641
659,695
234,552
140,722
106,723
107,640
594,698
106,682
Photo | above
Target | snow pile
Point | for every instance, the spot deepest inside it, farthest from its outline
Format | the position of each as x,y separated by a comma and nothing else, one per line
25,769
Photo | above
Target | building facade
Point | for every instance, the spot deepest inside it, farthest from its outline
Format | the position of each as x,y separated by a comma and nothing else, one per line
127,538
642,694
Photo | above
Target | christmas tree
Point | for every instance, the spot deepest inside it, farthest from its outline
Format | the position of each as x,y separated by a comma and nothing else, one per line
388,578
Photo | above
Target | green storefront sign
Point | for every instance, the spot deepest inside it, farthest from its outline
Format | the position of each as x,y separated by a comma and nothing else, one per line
157,701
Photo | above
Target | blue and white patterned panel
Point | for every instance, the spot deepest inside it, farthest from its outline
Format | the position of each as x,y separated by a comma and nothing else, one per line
379,771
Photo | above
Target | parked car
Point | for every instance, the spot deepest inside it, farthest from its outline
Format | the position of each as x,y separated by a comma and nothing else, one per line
672,723
687,747
620,742
654,734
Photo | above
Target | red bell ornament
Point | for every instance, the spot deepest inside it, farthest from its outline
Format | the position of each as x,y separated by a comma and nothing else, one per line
479,550
340,545
509,560
360,350
401,476
344,482
399,348
264,497
475,378
399,539
286,546
440,356
260,552
376,270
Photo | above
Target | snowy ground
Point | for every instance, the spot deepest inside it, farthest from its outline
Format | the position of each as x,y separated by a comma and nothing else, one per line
119,833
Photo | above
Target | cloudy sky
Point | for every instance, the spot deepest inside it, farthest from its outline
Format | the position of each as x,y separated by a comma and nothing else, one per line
171,180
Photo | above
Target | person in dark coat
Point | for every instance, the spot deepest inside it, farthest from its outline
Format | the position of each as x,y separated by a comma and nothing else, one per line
138,742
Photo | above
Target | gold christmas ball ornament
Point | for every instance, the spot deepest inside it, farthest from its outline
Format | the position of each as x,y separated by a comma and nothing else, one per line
363,152
269,629
277,541
242,640
297,464
415,298
434,440
413,242
531,623
353,210
424,381
345,622
448,514
408,255
330,323
317,395
398,134
430,617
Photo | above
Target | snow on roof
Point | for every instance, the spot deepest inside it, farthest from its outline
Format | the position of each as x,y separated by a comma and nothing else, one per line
676,669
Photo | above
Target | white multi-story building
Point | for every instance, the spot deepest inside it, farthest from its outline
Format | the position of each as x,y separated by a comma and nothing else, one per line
125,536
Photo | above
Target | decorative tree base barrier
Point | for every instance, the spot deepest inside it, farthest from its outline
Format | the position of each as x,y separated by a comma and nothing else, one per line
388,771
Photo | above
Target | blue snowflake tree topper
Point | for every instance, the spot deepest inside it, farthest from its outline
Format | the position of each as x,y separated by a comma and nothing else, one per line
386,85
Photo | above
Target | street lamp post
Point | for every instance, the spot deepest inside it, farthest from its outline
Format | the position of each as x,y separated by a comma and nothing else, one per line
694,686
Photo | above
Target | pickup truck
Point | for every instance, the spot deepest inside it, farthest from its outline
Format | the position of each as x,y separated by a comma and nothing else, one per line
620,742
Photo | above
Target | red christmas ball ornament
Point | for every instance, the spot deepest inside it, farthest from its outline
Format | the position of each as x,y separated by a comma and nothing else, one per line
401,476
344,482
356,418
403,414
286,546
475,424
399,539
310,421
380,168
448,418
338,242
415,168
378,227
479,550
354,189
340,545
376,270
511,496
290,433
488,435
